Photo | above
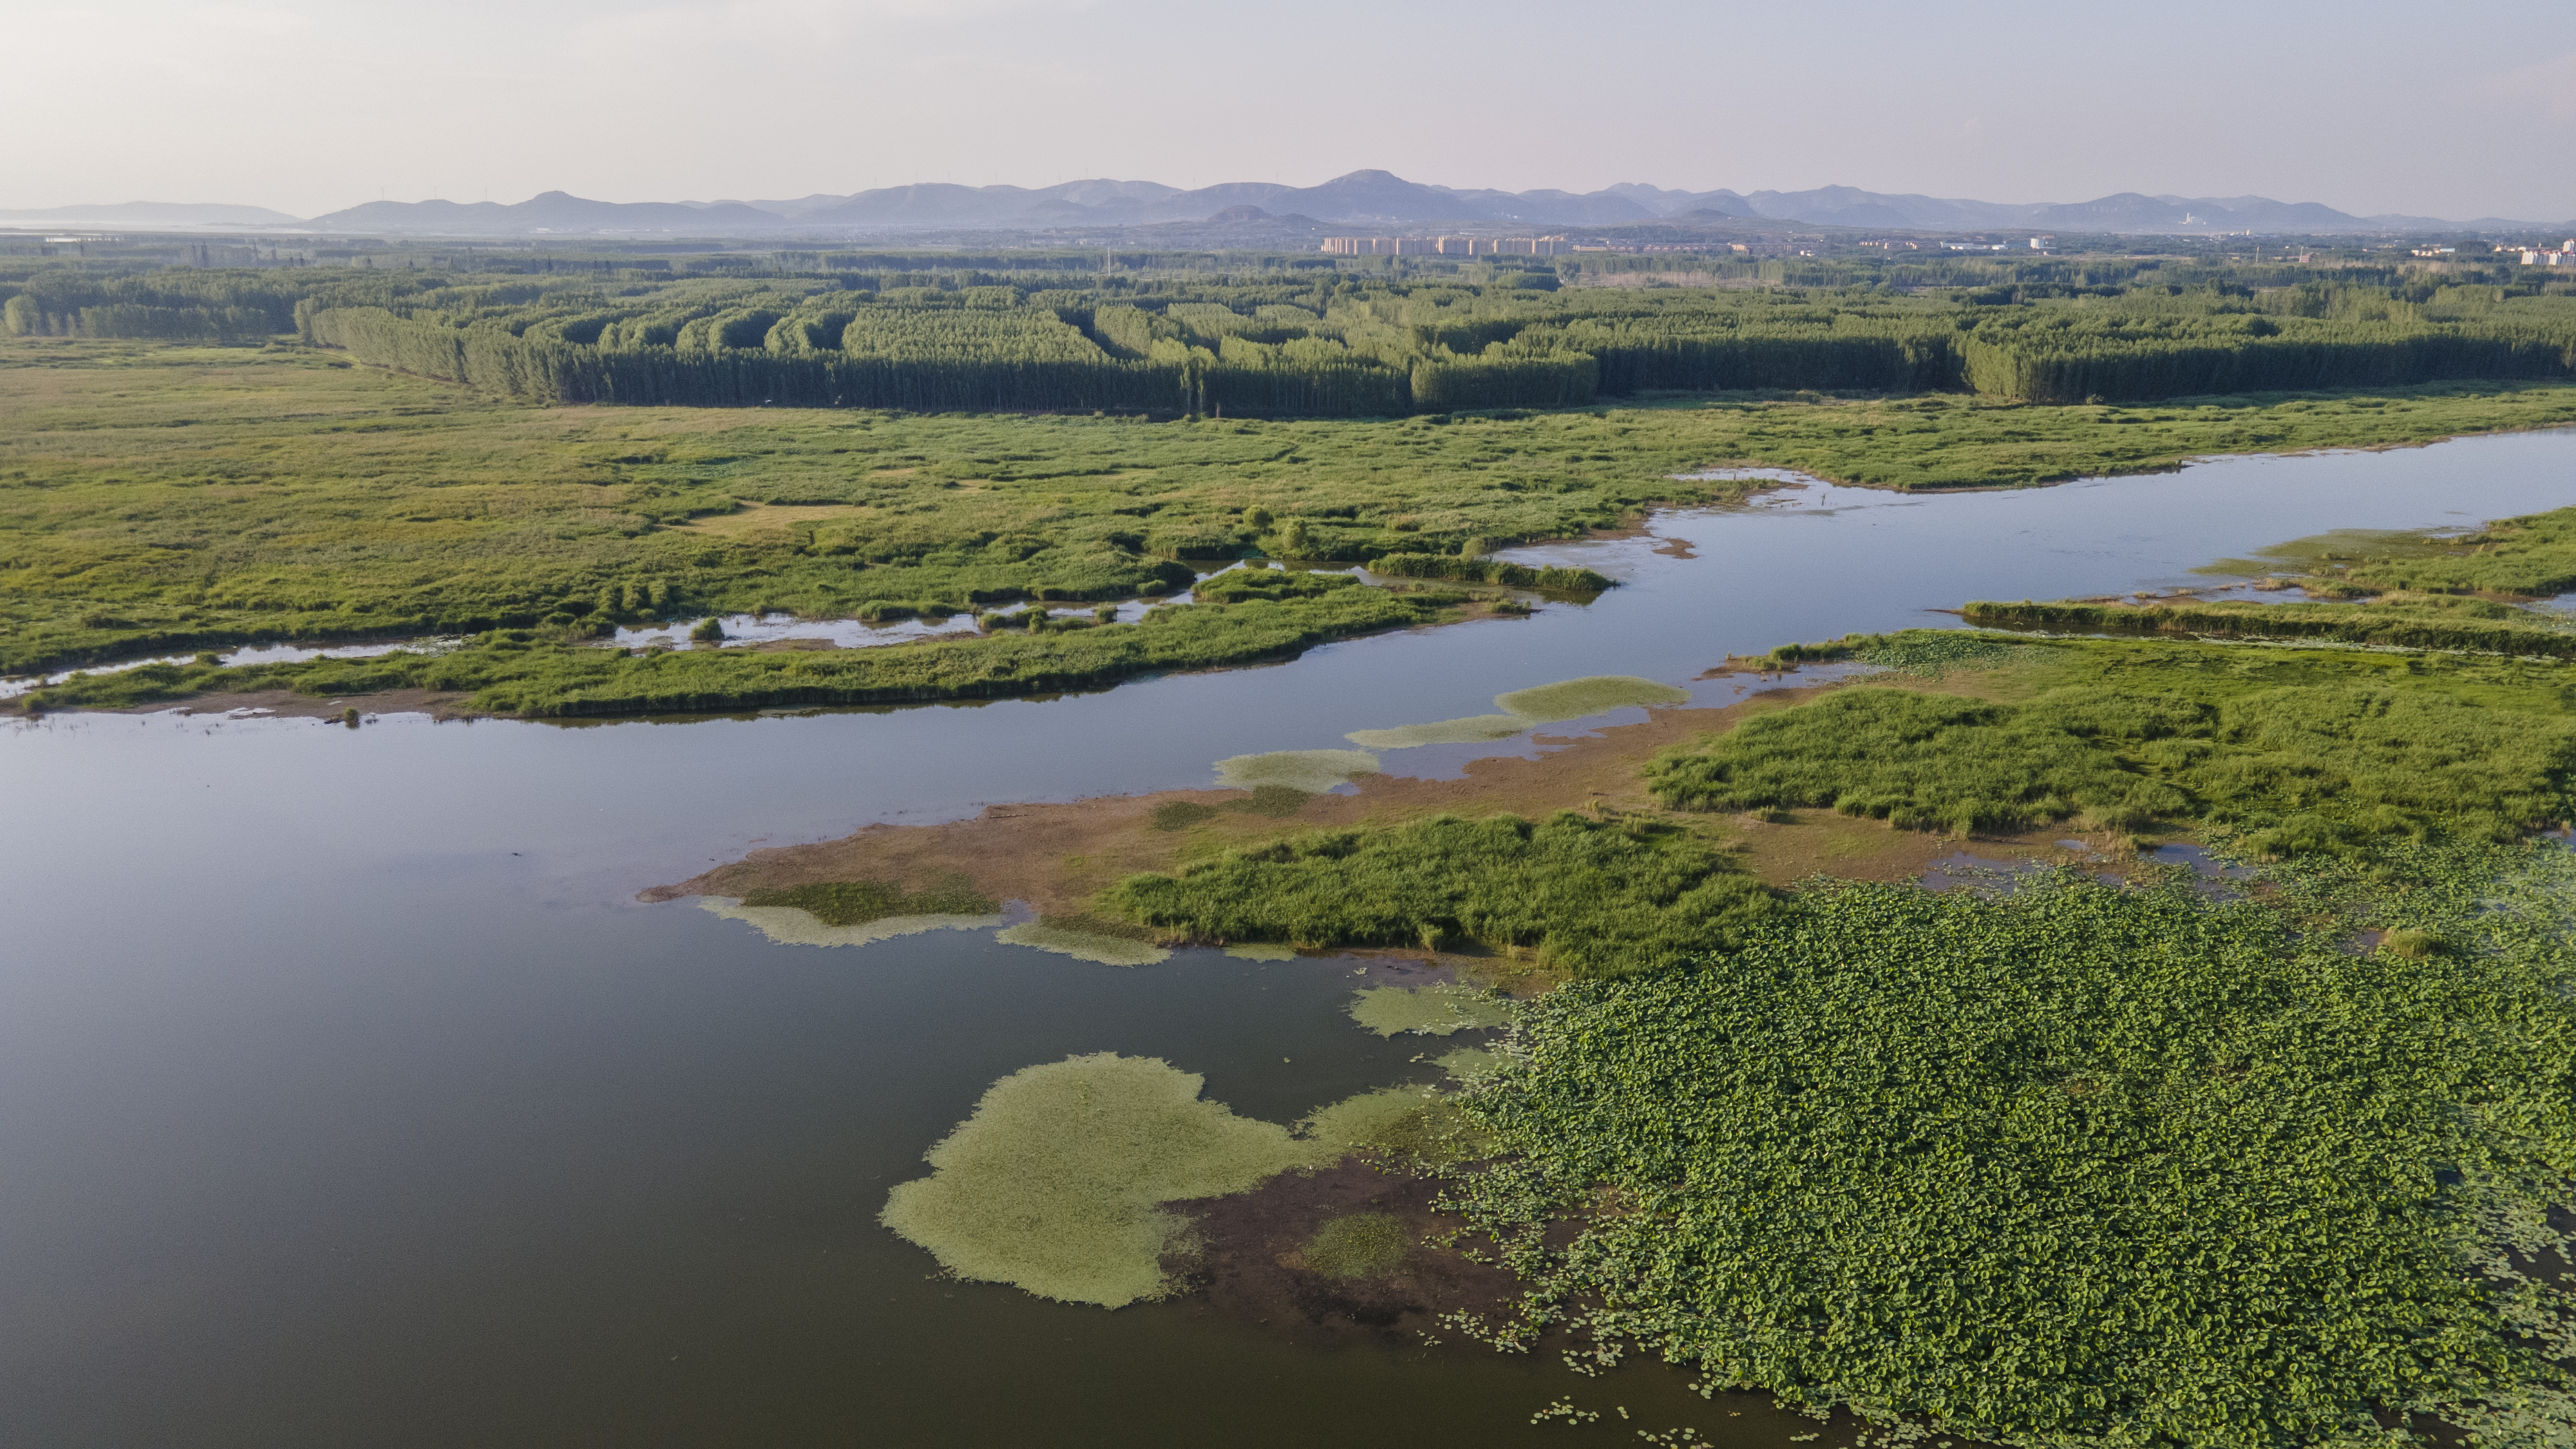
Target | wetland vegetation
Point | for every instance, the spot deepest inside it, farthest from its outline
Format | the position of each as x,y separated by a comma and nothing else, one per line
2084,1165
164,497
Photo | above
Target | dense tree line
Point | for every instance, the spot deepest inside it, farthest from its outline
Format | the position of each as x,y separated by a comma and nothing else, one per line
1287,343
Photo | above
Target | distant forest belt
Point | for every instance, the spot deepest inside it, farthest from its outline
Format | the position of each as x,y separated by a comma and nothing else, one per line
161,498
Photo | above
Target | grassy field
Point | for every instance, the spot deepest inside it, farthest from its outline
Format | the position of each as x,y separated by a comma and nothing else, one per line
2303,749
2294,752
166,498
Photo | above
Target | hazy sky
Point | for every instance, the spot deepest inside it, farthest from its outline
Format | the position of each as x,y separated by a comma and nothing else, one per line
307,106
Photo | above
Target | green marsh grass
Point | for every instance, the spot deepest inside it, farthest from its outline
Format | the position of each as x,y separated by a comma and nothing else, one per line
2299,749
159,498
1583,895
2533,556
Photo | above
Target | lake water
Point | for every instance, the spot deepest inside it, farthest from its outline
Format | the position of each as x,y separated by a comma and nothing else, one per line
347,1097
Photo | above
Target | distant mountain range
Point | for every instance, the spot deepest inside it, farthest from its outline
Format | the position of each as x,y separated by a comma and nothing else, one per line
1361,200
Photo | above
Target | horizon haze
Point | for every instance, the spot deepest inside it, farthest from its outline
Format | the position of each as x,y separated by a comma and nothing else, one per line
782,98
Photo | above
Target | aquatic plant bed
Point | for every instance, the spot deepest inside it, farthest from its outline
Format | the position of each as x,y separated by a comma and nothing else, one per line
2081,1166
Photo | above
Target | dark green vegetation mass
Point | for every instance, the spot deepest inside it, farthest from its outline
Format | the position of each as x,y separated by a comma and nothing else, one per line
1589,897
2084,1166
2299,749
1305,342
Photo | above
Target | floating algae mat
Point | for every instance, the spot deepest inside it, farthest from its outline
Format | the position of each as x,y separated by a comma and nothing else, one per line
1427,1010
1261,951
796,926
1313,771
1056,1184
1527,709
1414,1122
1475,729
1083,945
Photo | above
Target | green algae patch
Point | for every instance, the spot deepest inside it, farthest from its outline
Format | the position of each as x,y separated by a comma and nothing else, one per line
1526,709
1467,1063
1057,1183
1261,951
1357,1245
1084,945
1594,694
1363,1120
1419,1123
1427,1010
795,926
1312,771
1475,729
857,902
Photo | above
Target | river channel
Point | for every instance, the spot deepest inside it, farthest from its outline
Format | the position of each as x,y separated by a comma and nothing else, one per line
347,1096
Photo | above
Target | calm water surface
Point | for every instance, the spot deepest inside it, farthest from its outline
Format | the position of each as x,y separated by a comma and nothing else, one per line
345,1096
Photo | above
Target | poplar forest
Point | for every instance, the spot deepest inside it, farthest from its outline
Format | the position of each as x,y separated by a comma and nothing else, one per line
2110,1153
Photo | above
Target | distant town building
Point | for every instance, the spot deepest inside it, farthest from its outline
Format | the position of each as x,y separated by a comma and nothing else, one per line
2040,243
1448,246
2435,251
2563,257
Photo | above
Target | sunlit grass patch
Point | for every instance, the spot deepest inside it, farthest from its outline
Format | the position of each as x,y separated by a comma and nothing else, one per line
794,926
1357,1245
1056,1184
1312,771
1427,1010
1084,945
